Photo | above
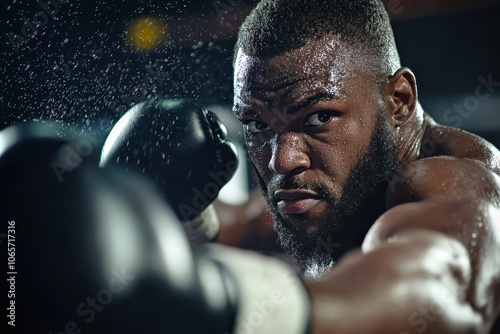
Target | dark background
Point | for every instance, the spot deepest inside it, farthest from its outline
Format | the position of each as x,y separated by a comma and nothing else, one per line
80,68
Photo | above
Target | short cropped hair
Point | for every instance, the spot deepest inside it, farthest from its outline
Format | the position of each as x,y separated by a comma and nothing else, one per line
278,26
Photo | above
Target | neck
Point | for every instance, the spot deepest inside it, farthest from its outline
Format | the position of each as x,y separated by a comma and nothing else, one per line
409,137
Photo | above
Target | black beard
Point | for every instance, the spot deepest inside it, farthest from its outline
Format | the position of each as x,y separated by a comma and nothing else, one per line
339,232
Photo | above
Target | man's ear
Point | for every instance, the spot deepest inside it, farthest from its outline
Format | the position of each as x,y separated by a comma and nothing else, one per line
402,96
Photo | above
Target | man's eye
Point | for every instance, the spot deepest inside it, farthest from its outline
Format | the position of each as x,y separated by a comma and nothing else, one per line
256,126
319,118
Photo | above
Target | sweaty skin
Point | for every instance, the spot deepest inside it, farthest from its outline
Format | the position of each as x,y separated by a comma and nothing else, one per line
429,256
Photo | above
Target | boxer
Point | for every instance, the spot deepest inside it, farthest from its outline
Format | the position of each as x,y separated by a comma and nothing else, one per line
341,147
396,216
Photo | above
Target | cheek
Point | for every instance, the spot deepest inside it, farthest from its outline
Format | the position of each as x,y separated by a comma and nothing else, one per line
357,136
344,150
260,158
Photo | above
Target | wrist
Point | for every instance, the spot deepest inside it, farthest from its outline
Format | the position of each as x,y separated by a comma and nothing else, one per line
272,298
203,228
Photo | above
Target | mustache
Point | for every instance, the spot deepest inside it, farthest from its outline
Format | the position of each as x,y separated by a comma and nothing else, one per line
294,182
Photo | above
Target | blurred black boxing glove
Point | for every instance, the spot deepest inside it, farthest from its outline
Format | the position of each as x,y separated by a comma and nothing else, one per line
182,147
97,251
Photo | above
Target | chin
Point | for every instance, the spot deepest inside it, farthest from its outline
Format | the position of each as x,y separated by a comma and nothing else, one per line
306,243
311,222
302,224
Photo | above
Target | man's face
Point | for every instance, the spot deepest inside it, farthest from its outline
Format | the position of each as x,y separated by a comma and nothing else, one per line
318,135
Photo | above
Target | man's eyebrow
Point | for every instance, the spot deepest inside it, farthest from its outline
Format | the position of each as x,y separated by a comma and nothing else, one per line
312,100
240,110
247,111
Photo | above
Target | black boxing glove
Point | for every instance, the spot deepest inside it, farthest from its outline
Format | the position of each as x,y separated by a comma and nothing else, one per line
98,251
182,147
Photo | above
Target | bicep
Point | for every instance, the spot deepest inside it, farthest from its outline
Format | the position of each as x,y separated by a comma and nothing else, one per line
462,207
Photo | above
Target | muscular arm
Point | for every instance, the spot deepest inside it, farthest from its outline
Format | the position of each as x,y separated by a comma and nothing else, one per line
430,264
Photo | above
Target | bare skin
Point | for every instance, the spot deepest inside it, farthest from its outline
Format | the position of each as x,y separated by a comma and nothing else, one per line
247,226
430,260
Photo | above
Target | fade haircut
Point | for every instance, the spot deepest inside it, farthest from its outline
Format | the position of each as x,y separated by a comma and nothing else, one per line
275,27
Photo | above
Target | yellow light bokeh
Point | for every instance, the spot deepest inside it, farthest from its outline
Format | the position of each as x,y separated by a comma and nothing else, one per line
146,33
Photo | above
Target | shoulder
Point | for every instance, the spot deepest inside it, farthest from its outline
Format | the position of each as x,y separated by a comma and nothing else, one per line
444,179
444,141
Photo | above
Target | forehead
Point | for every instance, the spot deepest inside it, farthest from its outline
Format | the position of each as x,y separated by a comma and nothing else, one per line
321,64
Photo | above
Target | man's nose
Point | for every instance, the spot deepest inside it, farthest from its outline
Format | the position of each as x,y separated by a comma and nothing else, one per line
288,155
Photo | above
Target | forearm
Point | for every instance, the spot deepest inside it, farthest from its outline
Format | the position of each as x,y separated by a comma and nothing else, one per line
417,282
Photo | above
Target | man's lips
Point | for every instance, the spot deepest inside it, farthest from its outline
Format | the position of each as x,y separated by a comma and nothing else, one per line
295,201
